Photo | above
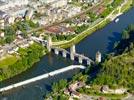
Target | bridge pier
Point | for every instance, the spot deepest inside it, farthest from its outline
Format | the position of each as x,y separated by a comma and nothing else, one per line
80,59
49,44
64,54
72,49
71,56
56,51
72,52
88,62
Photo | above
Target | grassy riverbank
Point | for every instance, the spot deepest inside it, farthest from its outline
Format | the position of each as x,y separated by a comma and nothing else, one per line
79,37
13,65
8,60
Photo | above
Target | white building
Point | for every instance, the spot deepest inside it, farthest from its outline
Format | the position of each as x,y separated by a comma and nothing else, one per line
11,9
47,1
55,3
59,3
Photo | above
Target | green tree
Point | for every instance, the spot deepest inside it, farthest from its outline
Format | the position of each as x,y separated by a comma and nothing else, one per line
62,84
125,34
55,87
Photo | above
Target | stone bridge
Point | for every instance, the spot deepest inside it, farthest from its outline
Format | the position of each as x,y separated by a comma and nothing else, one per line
66,54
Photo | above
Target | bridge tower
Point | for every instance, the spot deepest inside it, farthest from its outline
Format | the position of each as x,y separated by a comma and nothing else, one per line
72,52
98,57
49,43
80,59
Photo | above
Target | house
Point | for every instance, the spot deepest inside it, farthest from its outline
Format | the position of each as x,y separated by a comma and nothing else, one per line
23,43
73,10
8,10
71,90
5,4
13,50
19,34
104,89
59,3
2,23
60,30
29,14
101,98
2,34
99,10
72,93
75,94
77,85
89,1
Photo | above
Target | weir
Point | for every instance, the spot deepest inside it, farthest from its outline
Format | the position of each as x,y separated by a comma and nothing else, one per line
47,75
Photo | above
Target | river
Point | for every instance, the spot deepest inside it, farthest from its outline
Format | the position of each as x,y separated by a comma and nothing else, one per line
101,40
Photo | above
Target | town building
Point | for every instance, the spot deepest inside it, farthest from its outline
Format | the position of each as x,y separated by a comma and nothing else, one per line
8,11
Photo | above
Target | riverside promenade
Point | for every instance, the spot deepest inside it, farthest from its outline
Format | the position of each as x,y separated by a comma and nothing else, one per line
47,75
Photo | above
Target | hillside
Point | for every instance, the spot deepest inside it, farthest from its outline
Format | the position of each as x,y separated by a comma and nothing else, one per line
118,71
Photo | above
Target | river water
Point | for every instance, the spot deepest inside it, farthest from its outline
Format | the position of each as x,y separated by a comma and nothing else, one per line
101,40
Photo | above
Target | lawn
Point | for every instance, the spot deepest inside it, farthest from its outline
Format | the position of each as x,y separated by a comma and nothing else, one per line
8,60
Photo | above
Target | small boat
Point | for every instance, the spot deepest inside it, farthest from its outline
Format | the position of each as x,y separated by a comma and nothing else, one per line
116,20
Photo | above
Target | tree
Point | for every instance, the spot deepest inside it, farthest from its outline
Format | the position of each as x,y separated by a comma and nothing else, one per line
125,34
80,77
62,84
55,87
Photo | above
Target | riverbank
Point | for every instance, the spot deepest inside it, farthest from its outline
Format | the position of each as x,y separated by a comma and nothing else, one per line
81,36
91,29
16,64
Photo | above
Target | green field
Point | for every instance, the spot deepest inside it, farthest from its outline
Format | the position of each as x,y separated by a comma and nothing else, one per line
8,60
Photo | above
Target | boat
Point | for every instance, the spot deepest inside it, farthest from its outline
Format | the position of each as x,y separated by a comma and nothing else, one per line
116,20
